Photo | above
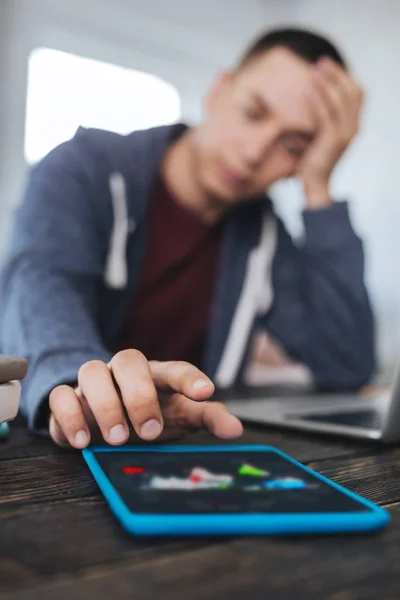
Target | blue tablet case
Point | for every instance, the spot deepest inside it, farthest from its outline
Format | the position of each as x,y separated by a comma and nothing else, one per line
232,524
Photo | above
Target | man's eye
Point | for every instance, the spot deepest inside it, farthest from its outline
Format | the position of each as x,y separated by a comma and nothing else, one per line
252,113
293,148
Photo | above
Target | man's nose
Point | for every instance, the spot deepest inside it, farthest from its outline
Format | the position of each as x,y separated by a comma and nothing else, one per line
258,144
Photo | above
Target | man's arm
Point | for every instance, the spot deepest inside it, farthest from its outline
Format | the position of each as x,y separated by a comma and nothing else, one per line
321,312
49,280
48,294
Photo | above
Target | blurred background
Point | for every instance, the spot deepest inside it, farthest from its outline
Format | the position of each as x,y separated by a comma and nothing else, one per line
130,64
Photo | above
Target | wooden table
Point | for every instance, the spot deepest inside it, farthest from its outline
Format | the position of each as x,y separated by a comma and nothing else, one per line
58,539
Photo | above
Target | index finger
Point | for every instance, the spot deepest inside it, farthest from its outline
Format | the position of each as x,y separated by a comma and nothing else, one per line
211,416
181,377
338,75
133,377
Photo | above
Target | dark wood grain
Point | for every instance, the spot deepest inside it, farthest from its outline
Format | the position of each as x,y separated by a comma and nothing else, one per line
69,536
22,444
44,479
69,507
376,477
326,568
303,447
59,540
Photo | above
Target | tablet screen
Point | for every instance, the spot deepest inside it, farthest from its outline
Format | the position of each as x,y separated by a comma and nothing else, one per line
219,482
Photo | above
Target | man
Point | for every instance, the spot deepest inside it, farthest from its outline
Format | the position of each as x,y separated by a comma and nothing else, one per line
142,267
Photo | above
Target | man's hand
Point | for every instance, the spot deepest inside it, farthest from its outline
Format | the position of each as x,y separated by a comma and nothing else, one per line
337,100
137,399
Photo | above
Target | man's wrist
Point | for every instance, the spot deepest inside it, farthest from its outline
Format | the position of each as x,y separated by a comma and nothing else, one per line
317,195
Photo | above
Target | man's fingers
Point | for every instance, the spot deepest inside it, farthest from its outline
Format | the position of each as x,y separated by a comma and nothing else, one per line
321,109
67,422
181,377
334,73
132,374
56,433
347,83
97,401
334,101
97,386
219,421
344,95
212,416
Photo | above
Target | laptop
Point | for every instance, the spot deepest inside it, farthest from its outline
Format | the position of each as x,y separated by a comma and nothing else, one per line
374,417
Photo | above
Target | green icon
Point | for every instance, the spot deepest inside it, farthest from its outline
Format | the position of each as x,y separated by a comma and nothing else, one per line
252,471
224,485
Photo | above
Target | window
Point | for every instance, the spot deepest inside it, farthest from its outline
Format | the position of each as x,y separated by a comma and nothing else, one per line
66,91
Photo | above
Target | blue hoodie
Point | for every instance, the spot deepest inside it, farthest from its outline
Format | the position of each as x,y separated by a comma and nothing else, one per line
77,247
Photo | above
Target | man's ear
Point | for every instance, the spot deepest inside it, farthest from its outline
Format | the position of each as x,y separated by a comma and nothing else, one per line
219,85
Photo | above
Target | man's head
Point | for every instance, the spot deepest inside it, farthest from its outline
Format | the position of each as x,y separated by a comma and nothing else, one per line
258,119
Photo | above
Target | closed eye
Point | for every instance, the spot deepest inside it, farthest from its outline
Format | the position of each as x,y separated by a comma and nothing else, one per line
253,113
295,147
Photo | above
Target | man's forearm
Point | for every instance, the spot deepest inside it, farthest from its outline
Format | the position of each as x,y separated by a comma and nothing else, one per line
321,313
317,195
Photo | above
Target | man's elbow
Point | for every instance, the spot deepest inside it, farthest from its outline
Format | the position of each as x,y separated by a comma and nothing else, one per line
349,375
361,374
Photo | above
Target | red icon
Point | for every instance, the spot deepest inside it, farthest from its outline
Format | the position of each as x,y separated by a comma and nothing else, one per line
132,470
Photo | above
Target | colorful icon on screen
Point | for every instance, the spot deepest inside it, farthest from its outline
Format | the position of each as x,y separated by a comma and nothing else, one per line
285,483
251,471
198,479
129,470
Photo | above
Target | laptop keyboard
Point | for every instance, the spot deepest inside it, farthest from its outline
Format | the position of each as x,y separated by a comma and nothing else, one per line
366,419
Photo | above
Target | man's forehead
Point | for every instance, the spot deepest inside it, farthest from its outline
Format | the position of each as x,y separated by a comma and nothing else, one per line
282,81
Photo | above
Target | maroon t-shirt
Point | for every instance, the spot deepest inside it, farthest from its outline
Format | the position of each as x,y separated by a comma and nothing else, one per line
172,306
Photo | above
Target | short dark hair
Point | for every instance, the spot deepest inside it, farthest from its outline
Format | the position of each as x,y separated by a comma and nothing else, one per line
306,44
